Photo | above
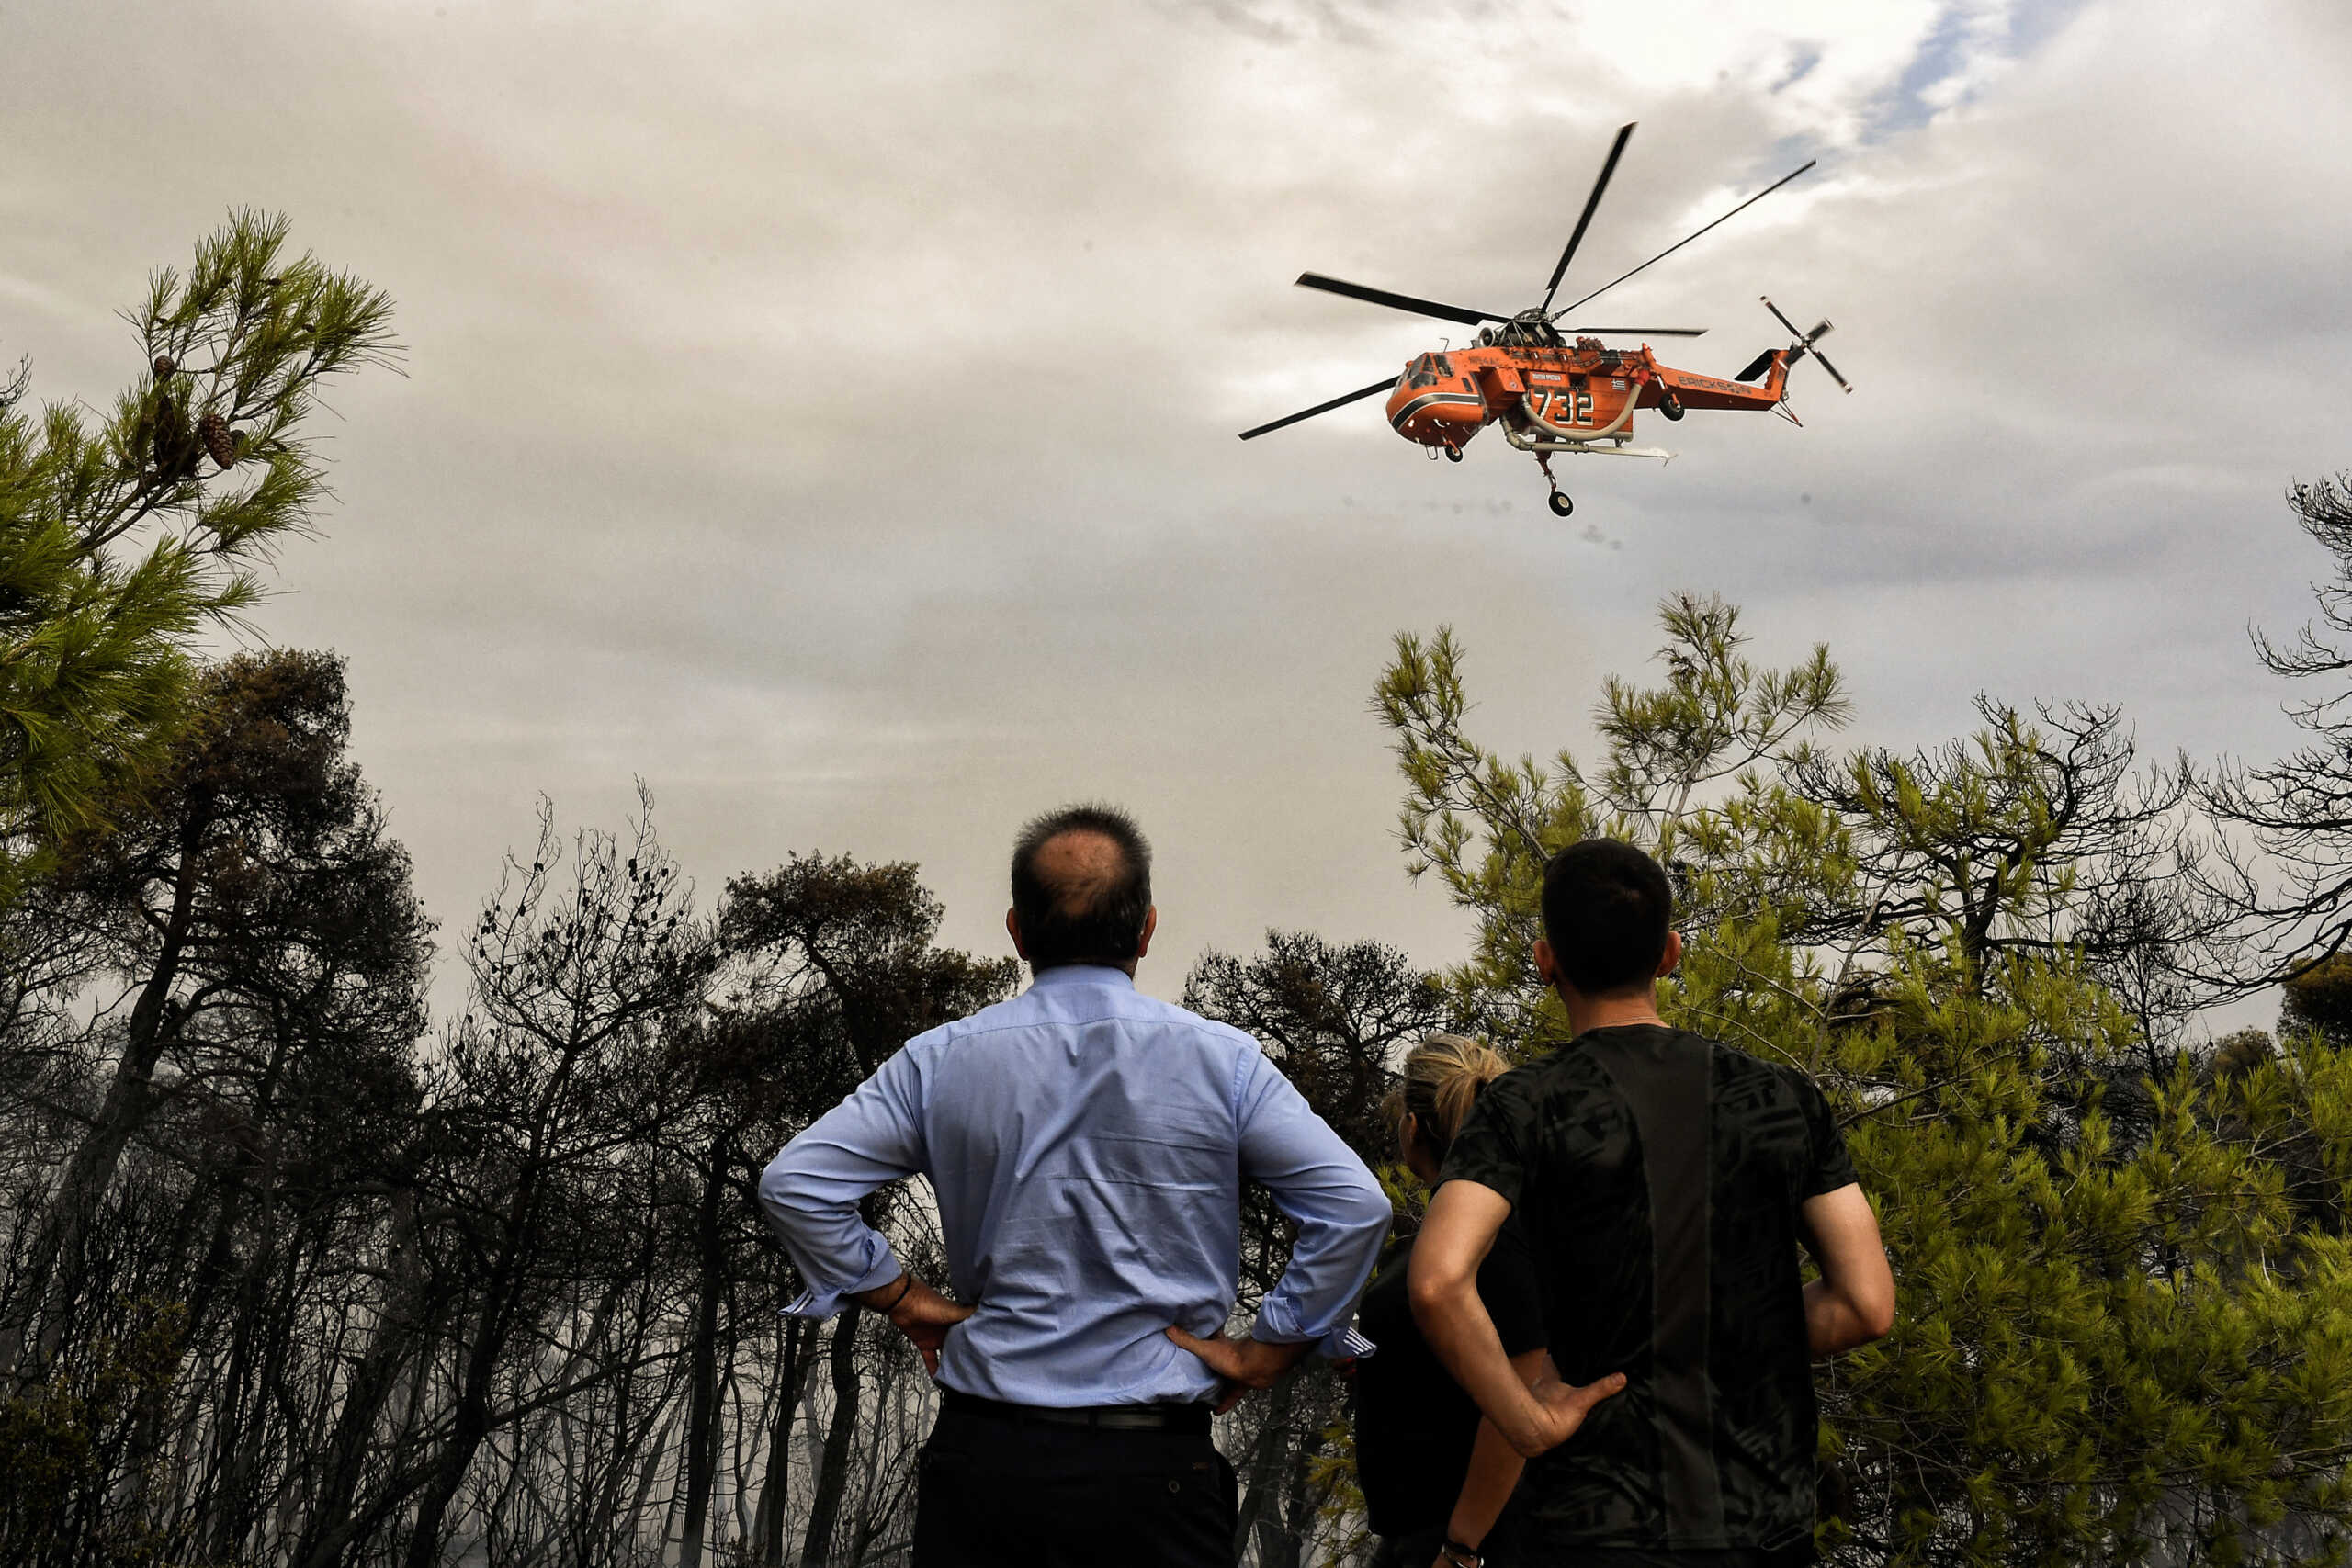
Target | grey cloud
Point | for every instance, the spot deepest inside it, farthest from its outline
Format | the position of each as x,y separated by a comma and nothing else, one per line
827,413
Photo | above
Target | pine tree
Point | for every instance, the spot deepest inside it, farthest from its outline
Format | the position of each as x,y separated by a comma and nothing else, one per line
2120,1336
118,549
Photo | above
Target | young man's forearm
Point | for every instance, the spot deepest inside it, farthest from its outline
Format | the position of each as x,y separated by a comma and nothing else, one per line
1443,1287
1454,1321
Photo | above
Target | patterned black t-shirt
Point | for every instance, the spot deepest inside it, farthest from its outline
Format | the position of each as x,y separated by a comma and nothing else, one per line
1658,1177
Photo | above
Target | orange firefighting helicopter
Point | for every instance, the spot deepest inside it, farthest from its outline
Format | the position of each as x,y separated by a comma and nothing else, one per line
1552,395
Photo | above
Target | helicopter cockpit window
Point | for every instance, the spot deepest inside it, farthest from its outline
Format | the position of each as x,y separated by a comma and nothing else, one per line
1420,373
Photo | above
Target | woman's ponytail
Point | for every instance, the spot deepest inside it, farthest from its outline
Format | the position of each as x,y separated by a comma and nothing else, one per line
1441,1081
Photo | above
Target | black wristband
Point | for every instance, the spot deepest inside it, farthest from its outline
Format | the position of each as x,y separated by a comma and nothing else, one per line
1468,1556
901,1295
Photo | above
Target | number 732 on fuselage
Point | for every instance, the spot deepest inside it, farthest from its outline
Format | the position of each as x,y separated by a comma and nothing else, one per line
1552,391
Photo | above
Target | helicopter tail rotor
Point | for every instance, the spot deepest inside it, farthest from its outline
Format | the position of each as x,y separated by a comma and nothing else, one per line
1797,350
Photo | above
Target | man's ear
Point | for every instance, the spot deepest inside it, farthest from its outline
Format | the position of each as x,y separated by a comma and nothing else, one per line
1151,924
1546,969
1012,930
1671,956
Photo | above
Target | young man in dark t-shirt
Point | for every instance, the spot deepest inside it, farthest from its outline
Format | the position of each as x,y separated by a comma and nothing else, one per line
1664,1183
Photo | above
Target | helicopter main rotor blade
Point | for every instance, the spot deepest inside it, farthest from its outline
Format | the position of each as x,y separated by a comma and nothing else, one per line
1841,381
1669,250
1640,332
1616,150
1461,314
1341,402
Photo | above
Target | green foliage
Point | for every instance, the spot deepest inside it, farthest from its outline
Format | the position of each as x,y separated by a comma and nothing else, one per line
2122,1330
2321,997
61,1440
117,548
1486,825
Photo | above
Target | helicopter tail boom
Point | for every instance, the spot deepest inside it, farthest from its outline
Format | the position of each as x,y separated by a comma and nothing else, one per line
1696,391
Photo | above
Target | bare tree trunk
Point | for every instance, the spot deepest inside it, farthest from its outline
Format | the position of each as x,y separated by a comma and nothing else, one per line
767,1524
602,1522
469,1421
329,1529
1261,1474
59,1249
833,1473
702,1393
1297,1512
238,1462
669,1420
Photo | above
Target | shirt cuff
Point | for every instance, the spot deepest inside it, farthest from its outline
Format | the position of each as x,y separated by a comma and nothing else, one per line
1339,1345
819,1302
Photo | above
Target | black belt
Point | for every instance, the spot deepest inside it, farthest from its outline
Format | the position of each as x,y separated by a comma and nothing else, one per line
1109,1418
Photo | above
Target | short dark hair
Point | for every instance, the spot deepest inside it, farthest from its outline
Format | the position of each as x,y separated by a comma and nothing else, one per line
1607,909
1098,922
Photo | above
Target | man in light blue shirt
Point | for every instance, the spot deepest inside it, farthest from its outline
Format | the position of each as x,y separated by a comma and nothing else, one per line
1087,1145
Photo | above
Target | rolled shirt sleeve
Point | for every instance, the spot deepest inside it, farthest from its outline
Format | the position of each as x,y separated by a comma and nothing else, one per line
1342,1213
809,1192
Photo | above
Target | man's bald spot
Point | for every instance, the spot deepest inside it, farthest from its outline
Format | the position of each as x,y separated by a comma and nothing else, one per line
1080,866
1081,888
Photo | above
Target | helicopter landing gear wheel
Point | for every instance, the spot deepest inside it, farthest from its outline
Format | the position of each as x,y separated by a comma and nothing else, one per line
1453,454
1670,406
1561,504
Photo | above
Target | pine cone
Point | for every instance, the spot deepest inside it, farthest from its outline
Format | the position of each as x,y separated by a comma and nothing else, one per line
213,431
163,365
171,433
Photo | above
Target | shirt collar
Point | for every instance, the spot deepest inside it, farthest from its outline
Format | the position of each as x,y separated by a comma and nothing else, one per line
1081,975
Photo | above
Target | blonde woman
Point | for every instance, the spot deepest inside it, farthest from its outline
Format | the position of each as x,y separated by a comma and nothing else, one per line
1434,1474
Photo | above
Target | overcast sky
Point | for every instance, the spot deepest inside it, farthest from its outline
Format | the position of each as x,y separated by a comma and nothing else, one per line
825,413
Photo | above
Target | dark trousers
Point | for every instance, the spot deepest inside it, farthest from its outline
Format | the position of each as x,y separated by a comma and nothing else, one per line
1417,1549
1000,1492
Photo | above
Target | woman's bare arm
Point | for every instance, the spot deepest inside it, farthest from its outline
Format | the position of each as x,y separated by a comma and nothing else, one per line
1495,1465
